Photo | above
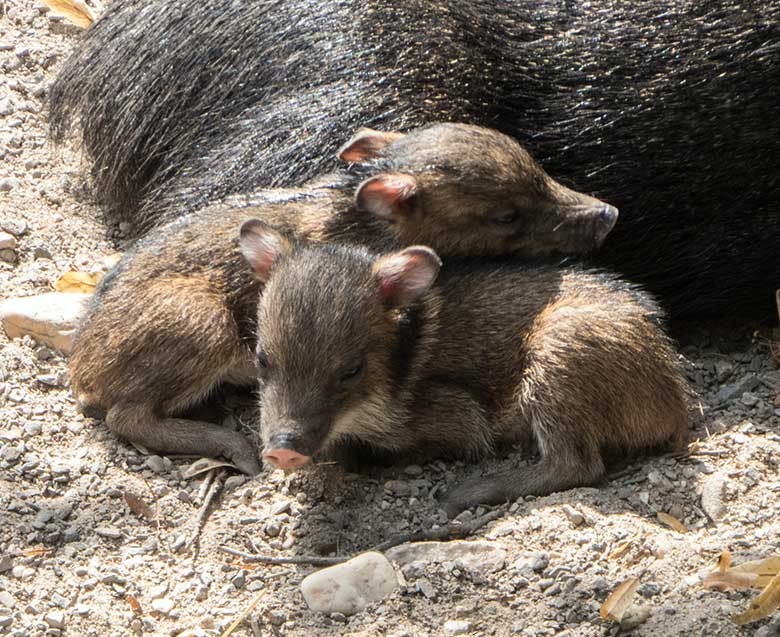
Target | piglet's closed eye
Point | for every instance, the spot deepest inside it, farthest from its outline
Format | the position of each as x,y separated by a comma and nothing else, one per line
404,276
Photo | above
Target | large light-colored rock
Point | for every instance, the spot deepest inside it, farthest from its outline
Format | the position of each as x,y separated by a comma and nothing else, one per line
349,587
483,557
50,319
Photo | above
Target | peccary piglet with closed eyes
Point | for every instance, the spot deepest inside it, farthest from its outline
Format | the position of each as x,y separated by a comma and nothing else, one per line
175,318
390,353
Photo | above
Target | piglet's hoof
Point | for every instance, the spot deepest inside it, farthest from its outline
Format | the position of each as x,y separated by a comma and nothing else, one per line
241,453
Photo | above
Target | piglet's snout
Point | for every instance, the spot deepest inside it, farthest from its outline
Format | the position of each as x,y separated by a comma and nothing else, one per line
285,458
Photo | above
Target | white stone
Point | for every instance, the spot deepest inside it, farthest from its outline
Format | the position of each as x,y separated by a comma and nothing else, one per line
50,319
55,619
7,600
163,605
7,241
712,494
349,587
456,627
575,517
158,591
483,557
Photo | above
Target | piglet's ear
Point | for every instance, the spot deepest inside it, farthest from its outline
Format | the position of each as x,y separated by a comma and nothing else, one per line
261,246
389,195
365,145
404,276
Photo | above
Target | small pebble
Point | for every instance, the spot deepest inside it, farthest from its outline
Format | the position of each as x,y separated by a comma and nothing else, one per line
163,605
42,252
156,464
272,529
55,619
280,507
398,488
634,617
426,588
9,183
16,227
456,627
575,517
7,241
7,600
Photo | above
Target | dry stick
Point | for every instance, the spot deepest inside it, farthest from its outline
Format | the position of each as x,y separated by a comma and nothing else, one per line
205,485
445,533
242,616
213,489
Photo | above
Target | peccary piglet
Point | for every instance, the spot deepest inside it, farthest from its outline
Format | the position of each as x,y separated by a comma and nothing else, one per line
355,347
175,318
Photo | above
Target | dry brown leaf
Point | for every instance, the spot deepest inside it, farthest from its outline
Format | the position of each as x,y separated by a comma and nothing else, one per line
36,552
672,522
724,561
77,282
753,574
138,506
135,605
731,579
615,606
74,11
621,550
765,569
204,464
767,602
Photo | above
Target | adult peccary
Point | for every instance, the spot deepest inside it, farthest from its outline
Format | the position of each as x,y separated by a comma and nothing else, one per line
175,318
666,108
359,348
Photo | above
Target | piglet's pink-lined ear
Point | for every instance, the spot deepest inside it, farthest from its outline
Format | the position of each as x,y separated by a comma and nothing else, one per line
388,195
365,145
261,246
404,276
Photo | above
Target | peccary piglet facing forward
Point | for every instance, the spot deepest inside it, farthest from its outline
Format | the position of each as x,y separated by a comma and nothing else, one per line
354,347
175,318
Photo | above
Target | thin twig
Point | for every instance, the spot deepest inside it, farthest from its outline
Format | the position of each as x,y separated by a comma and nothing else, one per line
242,616
443,534
205,485
707,452
213,490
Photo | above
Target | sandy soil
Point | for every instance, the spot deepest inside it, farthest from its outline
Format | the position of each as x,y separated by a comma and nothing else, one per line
104,570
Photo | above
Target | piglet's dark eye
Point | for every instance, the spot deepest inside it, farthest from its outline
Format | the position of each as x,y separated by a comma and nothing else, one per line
505,218
262,360
352,373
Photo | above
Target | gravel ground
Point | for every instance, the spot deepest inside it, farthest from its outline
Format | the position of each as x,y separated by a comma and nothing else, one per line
77,560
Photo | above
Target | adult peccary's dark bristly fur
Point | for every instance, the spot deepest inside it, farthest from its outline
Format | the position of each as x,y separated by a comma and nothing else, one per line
666,109
353,346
